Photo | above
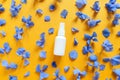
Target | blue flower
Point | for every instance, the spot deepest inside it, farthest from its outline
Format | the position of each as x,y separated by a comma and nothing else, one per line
3,33
102,67
13,77
19,32
24,1
39,11
112,6
58,76
115,60
2,9
41,42
2,22
107,46
96,76
27,74
9,66
73,55
79,74
51,30
43,54
54,64
22,52
75,42
74,30
117,72
93,57
118,33
96,6
66,68
15,9
7,48
28,21
64,13
106,33
26,62
43,75
93,23
81,3
52,7
47,18
87,49
116,19
82,16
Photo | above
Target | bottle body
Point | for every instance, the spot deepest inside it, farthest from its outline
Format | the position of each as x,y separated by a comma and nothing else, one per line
60,45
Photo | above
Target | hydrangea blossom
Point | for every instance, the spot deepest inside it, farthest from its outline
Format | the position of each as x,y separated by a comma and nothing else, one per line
93,23
73,55
106,33
81,3
19,32
116,19
64,13
96,6
58,76
40,70
107,46
14,9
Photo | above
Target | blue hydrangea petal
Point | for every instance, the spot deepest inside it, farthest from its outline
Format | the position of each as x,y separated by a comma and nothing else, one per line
13,77
2,51
76,71
39,11
75,42
54,64
13,65
107,46
3,33
96,6
43,75
73,55
7,48
83,73
93,23
26,55
106,59
64,13
43,54
44,67
117,72
118,33
20,51
115,61
81,3
96,64
24,1
56,73
27,74
26,62
51,30
52,7
74,30
38,68
4,63
106,33
82,16
112,1
2,22
93,57
66,68
47,18
2,9
96,76
102,67
62,78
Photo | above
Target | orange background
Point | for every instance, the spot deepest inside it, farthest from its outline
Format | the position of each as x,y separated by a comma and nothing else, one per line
30,36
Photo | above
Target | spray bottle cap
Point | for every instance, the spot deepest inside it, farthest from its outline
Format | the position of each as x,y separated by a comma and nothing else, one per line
61,31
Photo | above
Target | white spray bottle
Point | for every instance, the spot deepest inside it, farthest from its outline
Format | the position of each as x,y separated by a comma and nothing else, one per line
60,41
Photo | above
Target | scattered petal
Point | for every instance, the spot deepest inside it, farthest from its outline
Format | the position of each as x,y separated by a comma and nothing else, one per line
106,33
74,30
52,7
96,6
118,33
106,59
107,46
38,68
2,9
39,11
43,54
64,13
7,48
26,62
13,77
117,72
93,57
54,64
47,18
44,67
43,75
51,30
75,42
2,22
93,23
73,55
81,3
66,68
27,74
3,33
96,76
102,67
24,1
82,16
